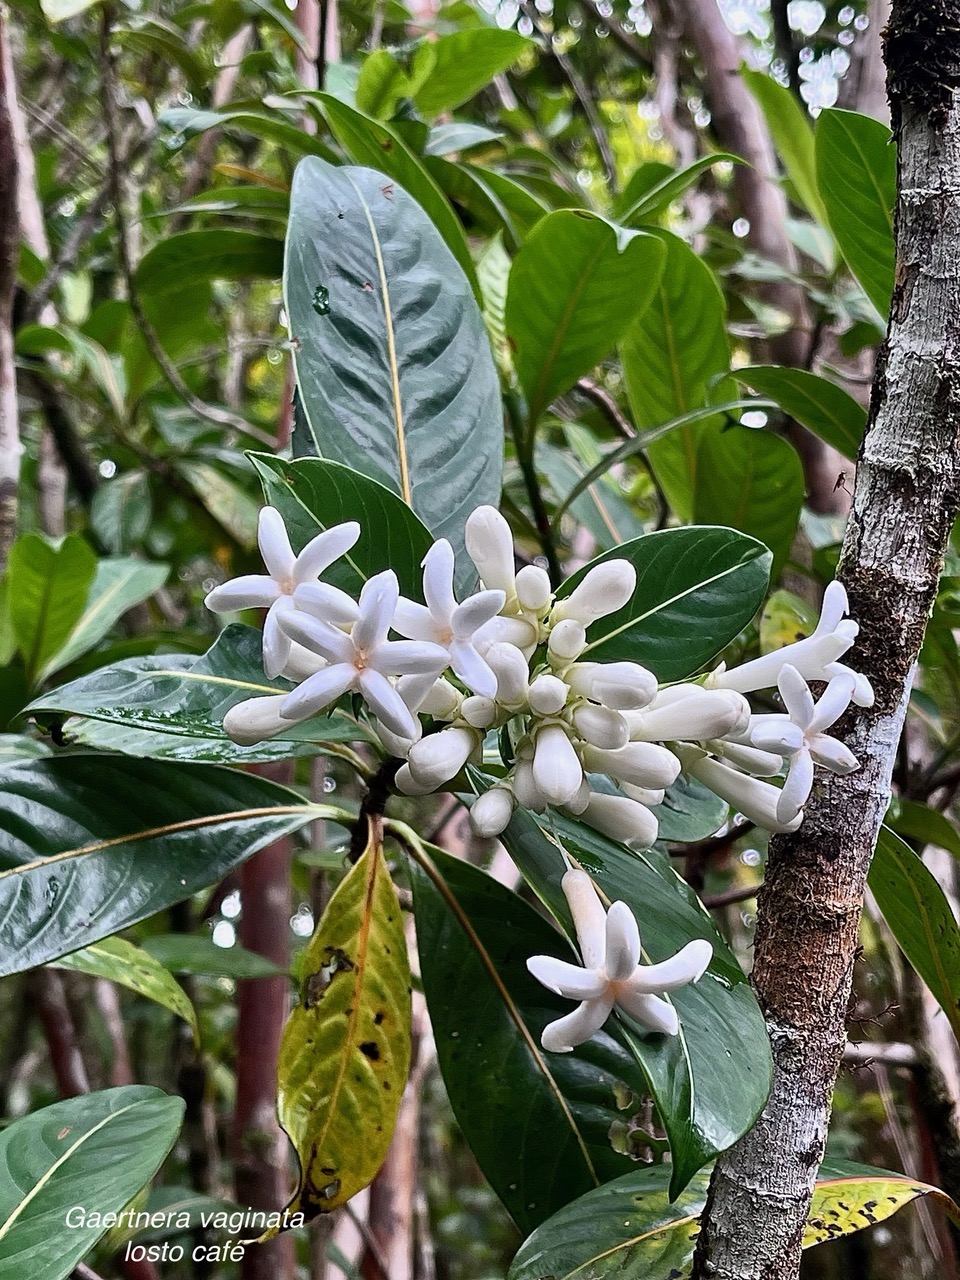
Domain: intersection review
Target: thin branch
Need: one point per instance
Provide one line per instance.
(742, 893)
(10, 448)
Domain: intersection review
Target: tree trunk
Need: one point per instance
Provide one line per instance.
(9, 248)
(904, 505)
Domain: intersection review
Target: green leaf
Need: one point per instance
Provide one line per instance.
(118, 584)
(47, 591)
(602, 507)
(920, 918)
(95, 1152)
(690, 811)
(345, 1054)
(121, 511)
(709, 1082)
(697, 588)
(313, 494)
(171, 706)
(190, 953)
(15, 747)
(382, 149)
(823, 407)
(219, 254)
(457, 136)
(129, 966)
(189, 122)
(538, 1123)
(792, 133)
(451, 70)
(667, 185)
(575, 286)
(493, 201)
(857, 177)
(382, 84)
(919, 822)
(392, 359)
(92, 844)
(751, 480)
(672, 355)
(630, 1229)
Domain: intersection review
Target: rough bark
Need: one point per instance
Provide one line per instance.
(904, 504)
(9, 247)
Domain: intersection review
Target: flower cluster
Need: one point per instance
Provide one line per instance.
(509, 671)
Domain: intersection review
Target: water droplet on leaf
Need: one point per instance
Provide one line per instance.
(321, 300)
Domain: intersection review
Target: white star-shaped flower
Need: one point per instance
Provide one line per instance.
(454, 626)
(799, 735)
(362, 659)
(611, 973)
(286, 572)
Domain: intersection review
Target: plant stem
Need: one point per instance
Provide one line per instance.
(524, 438)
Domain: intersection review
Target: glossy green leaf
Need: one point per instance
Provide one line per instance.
(192, 953)
(915, 821)
(690, 811)
(171, 706)
(95, 1152)
(345, 1054)
(189, 122)
(381, 148)
(792, 134)
(314, 494)
(576, 284)
(121, 511)
(16, 747)
(451, 70)
(629, 1228)
(751, 480)
(710, 1081)
(91, 844)
(857, 177)
(47, 589)
(457, 136)
(119, 584)
(697, 588)
(920, 918)
(823, 407)
(129, 966)
(602, 507)
(653, 197)
(672, 355)
(538, 1123)
(382, 84)
(493, 201)
(222, 254)
(393, 363)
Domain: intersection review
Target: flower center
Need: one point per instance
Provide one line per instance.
(287, 585)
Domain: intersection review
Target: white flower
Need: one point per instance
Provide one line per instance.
(815, 657)
(603, 590)
(799, 735)
(557, 771)
(286, 573)
(689, 713)
(624, 686)
(452, 625)
(643, 764)
(568, 639)
(547, 695)
(362, 659)
(611, 973)
(755, 799)
(601, 726)
(491, 812)
(621, 818)
(510, 667)
(439, 757)
(255, 720)
(489, 544)
(534, 592)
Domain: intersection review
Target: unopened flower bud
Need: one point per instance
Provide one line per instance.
(440, 757)
(408, 785)
(490, 547)
(694, 715)
(601, 727)
(580, 801)
(644, 764)
(603, 589)
(568, 639)
(491, 812)
(441, 699)
(625, 686)
(525, 789)
(479, 712)
(621, 819)
(255, 720)
(650, 796)
(557, 771)
(510, 667)
(547, 695)
(762, 764)
(301, 663)
(533, 588)
(513, 631)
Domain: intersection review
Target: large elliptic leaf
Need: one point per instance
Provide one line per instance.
(94, 1152)
(654, 186)
(393, 363)
(454, 68)
(920, 918)
(346, 1047)
(188, 122)
(91, 844)
(823, 407)
(538, 1123)
(575, 286)
(792, 133)
(313, 494)
(672, 355)
(171, 706)
(857, 176)
(47, 589)
(199, 954)
(208, 255)
(915, 821)
(710, 1081)
(629, 1229)
(751, 480)
(697, 588)
(690, 811)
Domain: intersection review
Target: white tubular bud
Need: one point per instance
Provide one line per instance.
(395, 744)
(440, 757)
(478, 712)
(625, 686)
(762, 764)
(756, 800)
(557, 771)
(533, 588)
(621, 819)
(603, 589)
(601, 727)
(525, 789)
(580, 801)
(547, 695)
(301, 663)
(510, 667)
(490, 547)
(644, 764)
(406, 783)
(255, 720)
(568, 639)
(519, 632)
(441, 700)
(650, 796)
(693, 717)
(491, 812)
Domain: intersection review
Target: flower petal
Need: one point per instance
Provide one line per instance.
(568, 980)
(318, 691)
(651, 1012)
(252, 591)
(274, 543)
(408, 658)
(689, 964)
(276, 643)
(438, 581)
(589, 917)
(833, 754)
(318, 636)
(833, 701)
(386, 703)
(835, 607)
(415, 621)
(776, 733)
(327, 603)
(472, 669)
(321, 551)
(796, 696)
(490, 547)
(623, 942)
(378, 603)
(586, 1020)
(797, 787)
(475, 613)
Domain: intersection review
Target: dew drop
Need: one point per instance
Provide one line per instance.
(321, 300)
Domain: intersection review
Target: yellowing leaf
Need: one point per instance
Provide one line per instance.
(861, 1197)
(346, 1047)
(786, 618)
